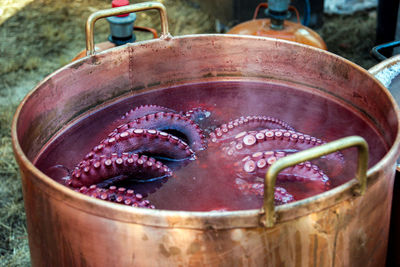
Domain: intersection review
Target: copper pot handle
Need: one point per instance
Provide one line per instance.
(119, 11)
(146, 29)
(378, 55)
(385, 72)
(268, 210)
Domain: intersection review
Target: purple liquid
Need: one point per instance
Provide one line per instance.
(207, 183)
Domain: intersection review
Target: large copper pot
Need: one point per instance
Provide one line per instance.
(388, 73)
(346, 226)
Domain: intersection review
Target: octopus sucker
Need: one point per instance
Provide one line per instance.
(143, 141)
(142, 111)
(281, 195)
(198, 115)
(172, 123)
(151, 141)
(117, 195)
(126, 152)
(257, 165)
(228, 131)
(133, 114)
(284, 141)
(94, 171)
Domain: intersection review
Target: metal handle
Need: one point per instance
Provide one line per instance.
(260, 5)
(309, 154)
(146, 29)
(119, 11)
(386, 72)
(378, 55)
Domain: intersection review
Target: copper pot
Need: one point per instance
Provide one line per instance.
(346, 226)
(388, 73)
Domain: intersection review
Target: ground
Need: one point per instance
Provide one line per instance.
(38, 37)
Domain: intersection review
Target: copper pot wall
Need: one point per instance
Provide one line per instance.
(338, 227)
(388, 73)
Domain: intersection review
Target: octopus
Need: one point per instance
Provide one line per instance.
(252, 144)
(148, 143)
(137, 149)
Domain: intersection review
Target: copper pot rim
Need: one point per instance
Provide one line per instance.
(384, 74)
(384, 64)
(197, 219)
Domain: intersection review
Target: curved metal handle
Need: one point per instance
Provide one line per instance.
(378, 55)
(146, 29)
(309, 154)
(260, 5)
(119, 11)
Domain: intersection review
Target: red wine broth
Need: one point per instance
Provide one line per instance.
(207, 183)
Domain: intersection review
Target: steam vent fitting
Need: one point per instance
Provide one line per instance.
(121, 26)
(278, 12)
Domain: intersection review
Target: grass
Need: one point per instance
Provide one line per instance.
(14, 249)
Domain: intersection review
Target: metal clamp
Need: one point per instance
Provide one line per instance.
(119, 11)
(286, 15)
(270, 178)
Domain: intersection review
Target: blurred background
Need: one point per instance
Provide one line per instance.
(39, 36)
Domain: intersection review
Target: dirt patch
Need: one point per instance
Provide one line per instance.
(44, 35)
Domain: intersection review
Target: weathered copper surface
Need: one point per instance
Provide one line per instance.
(336, 228)
(388, 73)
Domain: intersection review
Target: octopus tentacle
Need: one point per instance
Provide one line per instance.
(134, 166)
(133, 114)
(281, 195)
(197, 115)
(142, 111)
(281, 140)
(258, 163)
(142, 141)
(172, 123)
(117, 195)
(143, 188)
(228, 131)
(128, 156)
(275, 139)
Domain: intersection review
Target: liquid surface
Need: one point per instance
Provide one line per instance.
(206, 183)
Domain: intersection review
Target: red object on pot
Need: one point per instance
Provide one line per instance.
(119, 3)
